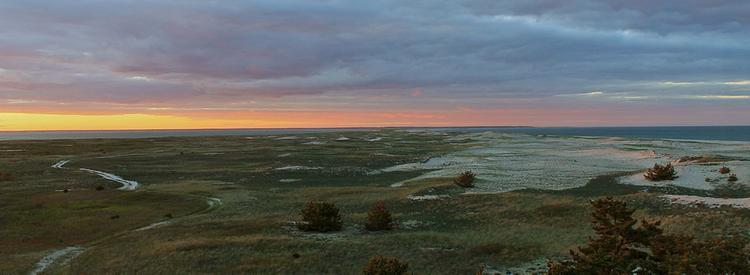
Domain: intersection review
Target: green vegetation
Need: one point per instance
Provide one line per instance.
(252, 229)
(732, 178)
(380, 265)
(379, 218)
(465, 179)
(6, 176)
(661, 172)
(320, 217)
(621, 247)
(724, 170)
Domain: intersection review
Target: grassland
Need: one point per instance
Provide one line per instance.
(263, 182)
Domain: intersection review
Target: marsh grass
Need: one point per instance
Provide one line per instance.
(247, 233)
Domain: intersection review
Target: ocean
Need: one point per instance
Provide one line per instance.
(723, 133)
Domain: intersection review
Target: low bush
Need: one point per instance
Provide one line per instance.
(6, 176)
(732, 178)
(99, 187)
(724, 170)
(320, 217)
(379, 218)
(661, 172)
(380, 265)
(623, 245)
(465, 179)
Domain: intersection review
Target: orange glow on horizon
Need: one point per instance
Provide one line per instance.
(224, 119)
(232, 119)
(205, 120)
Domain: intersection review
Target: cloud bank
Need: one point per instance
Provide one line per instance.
(431, 57)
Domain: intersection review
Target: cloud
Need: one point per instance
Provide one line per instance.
(318, 55)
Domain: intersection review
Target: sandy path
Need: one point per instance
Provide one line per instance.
(213, 203)
(129, 185)
(68, 252)
(60, 164)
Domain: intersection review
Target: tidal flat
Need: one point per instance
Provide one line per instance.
(188, 205)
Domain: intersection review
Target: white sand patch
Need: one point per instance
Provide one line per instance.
(384, 154)
(68, 252)
(288, 138)
(433, 163)
(506, 162)
(153, 225)
(12, 150)
(60, 164)
(213, 203)
(289, 180)
(617, 153)
(707, 201)
(427, 197)
(343, 139)
(413, 224)
(694, 176)
(314, 143)
(285, 155)
(129, 185)
(297, 168)
(374, 139)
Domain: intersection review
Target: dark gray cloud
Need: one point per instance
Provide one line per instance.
(170, 52)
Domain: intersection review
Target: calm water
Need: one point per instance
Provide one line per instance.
(729, 133)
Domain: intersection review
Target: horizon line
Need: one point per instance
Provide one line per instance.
(360, 127)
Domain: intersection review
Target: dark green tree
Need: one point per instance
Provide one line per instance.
(320, 217)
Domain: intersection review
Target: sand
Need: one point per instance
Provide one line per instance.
(505, 162)
(707, 201)
(54, 256)
(60, 164)
(129, 185)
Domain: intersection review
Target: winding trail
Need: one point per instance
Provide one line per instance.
(128, 185)
(60, 164)
(68, 253)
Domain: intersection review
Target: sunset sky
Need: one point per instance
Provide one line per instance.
(244, 64)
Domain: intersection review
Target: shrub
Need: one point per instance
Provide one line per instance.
(465, 179)
(6, 176)
(99, 187)
(660, 173)
(732, 178)
(380, 265)
(620, 247)
(320, 217)
(724, 170)
(379, 218)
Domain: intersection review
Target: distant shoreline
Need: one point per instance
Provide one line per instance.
(697, 133)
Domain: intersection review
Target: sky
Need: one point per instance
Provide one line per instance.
(163, 64)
